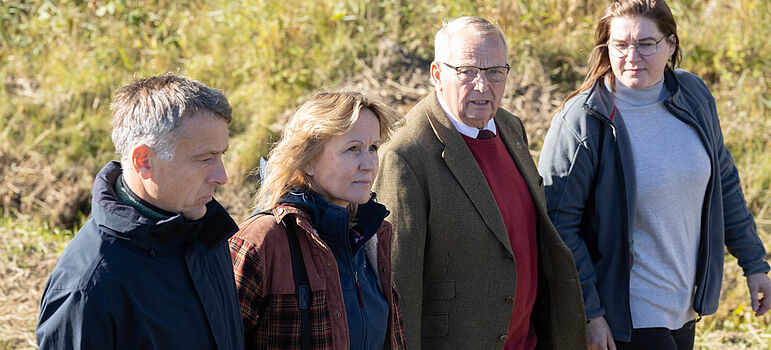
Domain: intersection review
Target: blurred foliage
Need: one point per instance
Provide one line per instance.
(60, 61)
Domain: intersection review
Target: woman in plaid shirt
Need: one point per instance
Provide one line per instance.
(318, 183)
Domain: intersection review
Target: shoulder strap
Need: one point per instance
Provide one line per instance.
(301, 283)
(587, 234)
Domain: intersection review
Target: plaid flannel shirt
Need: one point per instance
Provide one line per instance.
(263, 272)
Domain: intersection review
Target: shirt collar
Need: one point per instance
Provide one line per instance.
(464, 129)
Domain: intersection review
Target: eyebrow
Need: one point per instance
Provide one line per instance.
(643, 39)
(214, 152)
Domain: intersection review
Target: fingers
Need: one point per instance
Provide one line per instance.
(763, 307)
(754, 298)
(611, 342)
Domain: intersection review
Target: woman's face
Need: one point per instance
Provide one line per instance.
(638, 34)
(346, 168)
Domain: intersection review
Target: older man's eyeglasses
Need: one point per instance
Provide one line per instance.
(467, 74)
(644, 47)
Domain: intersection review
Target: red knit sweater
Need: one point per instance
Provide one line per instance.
(516, 206)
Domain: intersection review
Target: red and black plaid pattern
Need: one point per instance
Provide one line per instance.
(397, 325)
(273, 321)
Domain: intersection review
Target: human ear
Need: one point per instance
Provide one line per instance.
(140, 161)
(436, 75)
(672, 43)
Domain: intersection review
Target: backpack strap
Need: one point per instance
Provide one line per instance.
(301, 283)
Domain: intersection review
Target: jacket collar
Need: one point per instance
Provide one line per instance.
(462, 164)
(329, 218)
(600, 104)
(125, 223)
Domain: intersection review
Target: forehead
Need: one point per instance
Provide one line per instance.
(202, 132)
(471, 49)
(633, 28)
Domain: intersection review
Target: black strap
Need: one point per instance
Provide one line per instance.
(301, 285)
(587, 233)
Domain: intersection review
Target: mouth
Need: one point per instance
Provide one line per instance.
(480, 103)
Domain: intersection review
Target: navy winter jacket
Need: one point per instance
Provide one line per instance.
(589, 178)
(366, 307)
(126, 282)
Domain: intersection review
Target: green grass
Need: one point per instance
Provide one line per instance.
(61, 60)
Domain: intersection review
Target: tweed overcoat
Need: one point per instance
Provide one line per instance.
(452, 260)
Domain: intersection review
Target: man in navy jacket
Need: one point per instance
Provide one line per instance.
(151, 268)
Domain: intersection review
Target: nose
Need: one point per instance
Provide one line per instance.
(218, 175)
(368, 161)
(632, 55)
(481, 83)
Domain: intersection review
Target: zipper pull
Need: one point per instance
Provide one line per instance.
(358, 289)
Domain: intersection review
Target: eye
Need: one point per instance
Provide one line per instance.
(373, 148)
(353, 149)
(467, 71)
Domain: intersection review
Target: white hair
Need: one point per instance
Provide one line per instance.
(477, 25)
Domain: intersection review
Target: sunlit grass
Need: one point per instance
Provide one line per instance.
(60, 61)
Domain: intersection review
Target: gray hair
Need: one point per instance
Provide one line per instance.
(477, 25)
(150, 111)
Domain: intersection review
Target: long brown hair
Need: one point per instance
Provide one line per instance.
(599, 62)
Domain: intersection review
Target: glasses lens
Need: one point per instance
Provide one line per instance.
(497, 74)
(467, 74)
(646, 48)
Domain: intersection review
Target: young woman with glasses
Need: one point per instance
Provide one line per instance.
(643, 190)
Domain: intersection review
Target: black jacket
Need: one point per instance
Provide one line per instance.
(126, 282)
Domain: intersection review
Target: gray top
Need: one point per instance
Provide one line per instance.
(672, 168)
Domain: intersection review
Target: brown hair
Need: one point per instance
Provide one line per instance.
(599, 62)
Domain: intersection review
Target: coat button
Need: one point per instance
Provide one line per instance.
(329, 263)
(339, 315)
(510, 299)
(502, 337)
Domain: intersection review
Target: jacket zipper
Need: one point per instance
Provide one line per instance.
(358, 288)
(708, 202)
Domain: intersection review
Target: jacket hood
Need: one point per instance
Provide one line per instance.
(123, 222)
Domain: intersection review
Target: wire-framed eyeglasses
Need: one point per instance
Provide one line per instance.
(645, 47)
(467, 74)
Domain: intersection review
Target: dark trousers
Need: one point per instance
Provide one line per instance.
(661, 338)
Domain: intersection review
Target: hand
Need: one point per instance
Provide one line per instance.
(759, 283)
(599, 336)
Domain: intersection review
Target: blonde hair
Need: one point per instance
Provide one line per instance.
(323, 116)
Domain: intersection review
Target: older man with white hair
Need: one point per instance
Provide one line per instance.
(476, 259)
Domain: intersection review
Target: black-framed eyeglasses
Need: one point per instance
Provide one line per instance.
(467, 74)
(644, 47)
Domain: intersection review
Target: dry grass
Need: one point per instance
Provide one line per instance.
(26, 260)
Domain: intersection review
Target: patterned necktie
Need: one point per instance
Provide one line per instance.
(485, 134)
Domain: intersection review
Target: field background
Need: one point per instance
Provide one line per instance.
(61, 60)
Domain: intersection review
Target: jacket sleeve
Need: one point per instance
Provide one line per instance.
(567, 166)
(248, 272)
(741, 235)
(74, 319)
(398, 188)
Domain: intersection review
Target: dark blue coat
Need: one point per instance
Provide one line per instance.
(126, 282)
(577, 167)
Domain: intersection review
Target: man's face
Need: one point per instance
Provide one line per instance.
(186, 182)
(474, 102)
